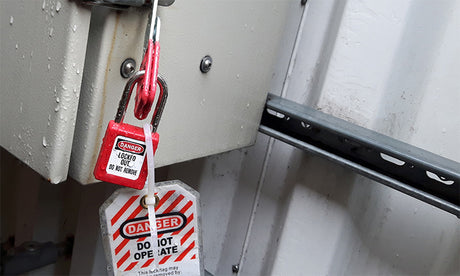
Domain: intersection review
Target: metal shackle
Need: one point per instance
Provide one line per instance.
(159, 107)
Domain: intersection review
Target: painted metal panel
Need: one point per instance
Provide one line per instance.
(206, 113)
(42, 50)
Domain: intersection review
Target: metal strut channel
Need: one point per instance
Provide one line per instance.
(408, 169)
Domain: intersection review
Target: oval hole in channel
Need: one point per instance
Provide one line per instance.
(305, 125)
(274, 113)
(392, 159)
(441, 179)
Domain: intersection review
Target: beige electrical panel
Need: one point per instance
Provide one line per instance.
(206, 113)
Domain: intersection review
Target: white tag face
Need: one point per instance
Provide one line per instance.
(126, 158)
(126, 232)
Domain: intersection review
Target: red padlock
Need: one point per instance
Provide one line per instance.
(122, 156)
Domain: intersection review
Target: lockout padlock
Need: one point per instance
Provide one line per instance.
(122, 156)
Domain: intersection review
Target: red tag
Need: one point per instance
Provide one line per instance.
(126, 232)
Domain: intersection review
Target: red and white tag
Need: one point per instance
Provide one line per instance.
(126, 158)
(125, 231)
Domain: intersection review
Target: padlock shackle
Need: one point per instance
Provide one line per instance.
(161, 102)
(127, 95)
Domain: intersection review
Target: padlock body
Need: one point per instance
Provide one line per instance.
(122, 158)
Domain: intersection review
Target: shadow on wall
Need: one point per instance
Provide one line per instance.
(348, 224)
(314, 193)
(417, 53)
(32, 209)
(391, 232)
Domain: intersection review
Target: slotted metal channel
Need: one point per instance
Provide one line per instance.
(406, 168)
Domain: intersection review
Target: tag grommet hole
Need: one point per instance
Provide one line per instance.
(144, 204)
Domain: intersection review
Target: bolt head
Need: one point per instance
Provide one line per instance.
(128, 67)
(205, 65)
(235, 268)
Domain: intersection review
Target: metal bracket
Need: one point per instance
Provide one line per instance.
(406, 168)
(124, 4)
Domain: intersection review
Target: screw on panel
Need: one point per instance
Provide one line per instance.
(205, 64)
(303, 2)
(127, 68)
(235, 268)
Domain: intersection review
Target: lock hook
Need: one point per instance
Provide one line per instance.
(127, 95)
(161, 102)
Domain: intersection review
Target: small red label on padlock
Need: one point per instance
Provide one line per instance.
(126, 158)
(122, 157)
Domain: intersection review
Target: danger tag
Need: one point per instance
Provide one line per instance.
(126, 158)
(126, 232)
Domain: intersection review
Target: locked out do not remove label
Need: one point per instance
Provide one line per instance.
(126, 232)
(126, 158)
